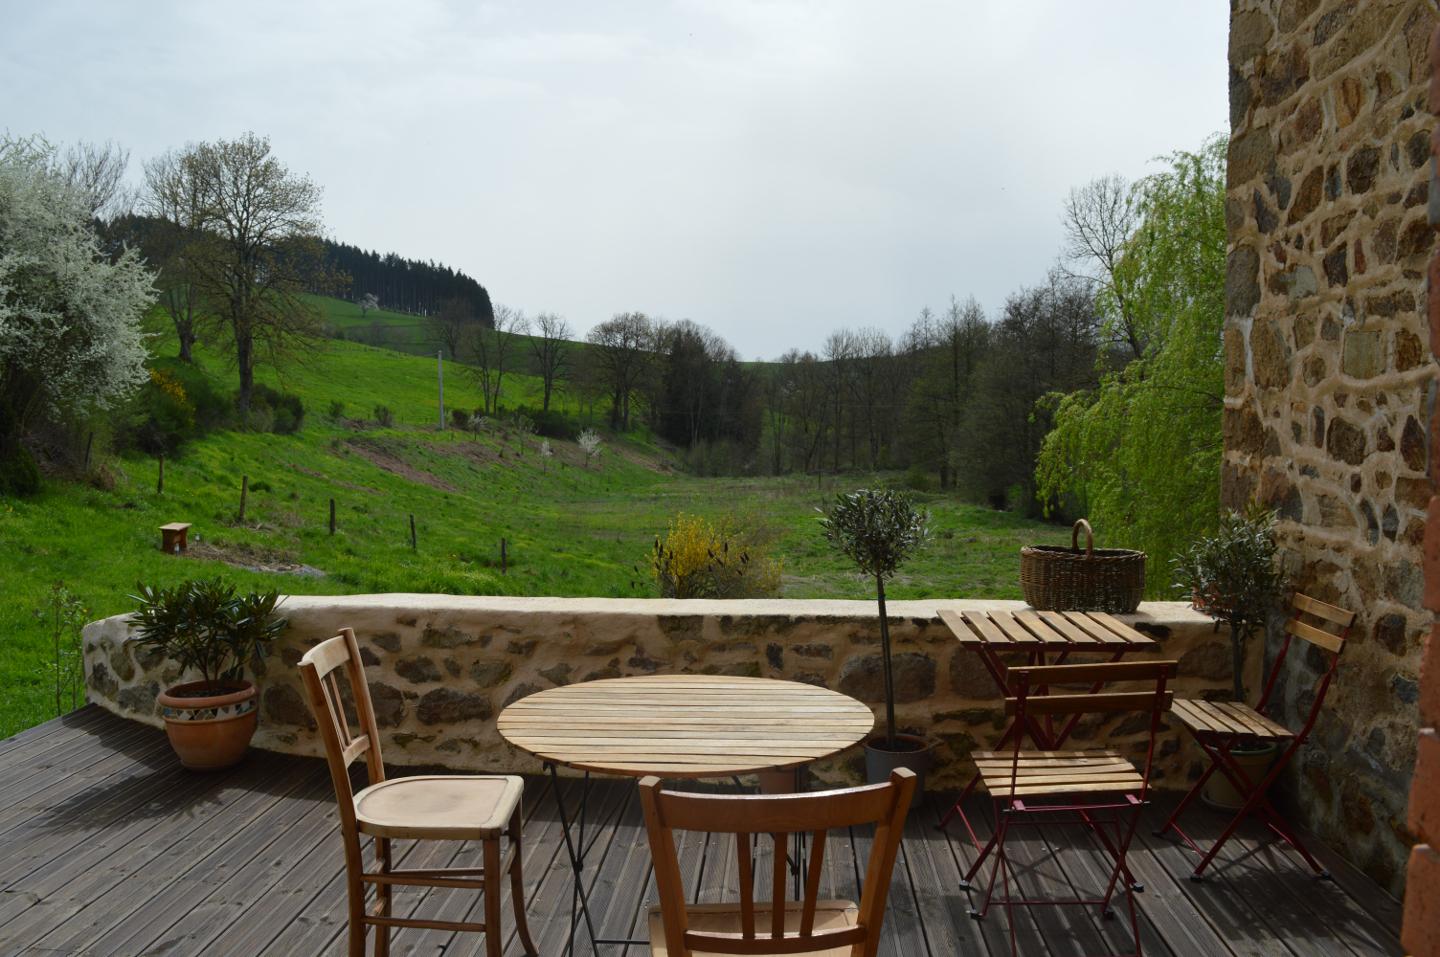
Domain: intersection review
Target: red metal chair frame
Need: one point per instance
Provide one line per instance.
(1123, 810)
(1218, 746)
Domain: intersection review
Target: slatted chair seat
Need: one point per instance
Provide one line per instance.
(1043, 773)
(436, 807)
(1227, 718)
(727, 919)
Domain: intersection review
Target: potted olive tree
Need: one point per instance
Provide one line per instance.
(206, 627)
(1234, 576)
(878, 529)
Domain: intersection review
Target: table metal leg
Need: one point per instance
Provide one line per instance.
(575, 851)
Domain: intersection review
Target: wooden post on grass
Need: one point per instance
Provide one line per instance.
(244, 491)
(503, 559)
(412, 533)
(332, 516)
(160, 476)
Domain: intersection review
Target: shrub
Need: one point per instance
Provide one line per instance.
(919, 479)
(160, 418)
(460, 419)
(701, 559)
(287, 410)
(384, 416)
(337, 410)
(550, 423)
(19, 475)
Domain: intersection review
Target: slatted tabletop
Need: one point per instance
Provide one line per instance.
(1045, 631)
(685, 726)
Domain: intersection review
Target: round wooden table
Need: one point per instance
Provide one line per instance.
(678, 726)
(685, 726)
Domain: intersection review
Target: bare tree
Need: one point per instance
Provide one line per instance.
(622, 349)
(98, 171)
(492, 351)
(257, 245)
(452, 325)
(550, 345)
(175, 196)
(839, 355)
(1099, 218)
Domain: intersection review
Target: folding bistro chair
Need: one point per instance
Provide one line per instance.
(1219, 726)
(809, 926)
(1097, 789)
(423, 807)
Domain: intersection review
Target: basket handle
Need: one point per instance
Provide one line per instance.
(1089, 538)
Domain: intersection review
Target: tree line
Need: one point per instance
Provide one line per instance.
(400, 284)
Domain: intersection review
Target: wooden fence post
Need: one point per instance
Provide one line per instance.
(412, 532)
(503, 559)
(244, 491)
(332, 516)
(160, 477)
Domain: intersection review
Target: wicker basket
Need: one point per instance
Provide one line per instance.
(1056, 578)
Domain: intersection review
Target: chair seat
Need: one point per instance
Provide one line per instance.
(1225, 718)
(725, 919)
(1044, 773)
(445, 807)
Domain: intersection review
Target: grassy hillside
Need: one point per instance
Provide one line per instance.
(570, 530)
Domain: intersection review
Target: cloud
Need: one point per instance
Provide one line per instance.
(773, 170)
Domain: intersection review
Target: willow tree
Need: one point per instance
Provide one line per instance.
(1140, 453)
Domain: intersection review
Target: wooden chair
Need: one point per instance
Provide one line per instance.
(1093, 788)
(424, 807)
(1220, 726)
(807, 926)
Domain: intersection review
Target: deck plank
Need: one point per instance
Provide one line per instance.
(107, 846)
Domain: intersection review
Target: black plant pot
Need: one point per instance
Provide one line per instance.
(916, 754)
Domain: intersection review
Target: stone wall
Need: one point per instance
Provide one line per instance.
(1329, 374)
(1421, 932)
(441, 667)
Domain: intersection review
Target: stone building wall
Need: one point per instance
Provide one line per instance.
(1421, 931)
(1329, 372)
(441, 667)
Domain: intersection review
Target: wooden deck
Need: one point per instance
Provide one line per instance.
(108, 847)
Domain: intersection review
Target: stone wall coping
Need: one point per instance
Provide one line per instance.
(1153, 612)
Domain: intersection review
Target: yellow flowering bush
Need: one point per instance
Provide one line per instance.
(699, 558)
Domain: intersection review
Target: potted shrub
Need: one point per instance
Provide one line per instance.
(205, 627)
(1234, 577)
(878, 529)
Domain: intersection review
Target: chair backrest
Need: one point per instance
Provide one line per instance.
(320, 670)
(1034, 698)
(779, 815)
(1323, 625)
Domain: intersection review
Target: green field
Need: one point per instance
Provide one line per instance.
(570, 530)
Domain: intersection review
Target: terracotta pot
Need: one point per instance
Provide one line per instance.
(1221, 795)
(879, 761)
(209, 731)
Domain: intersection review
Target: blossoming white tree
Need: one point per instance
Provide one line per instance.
(591, 444)
(70, 336)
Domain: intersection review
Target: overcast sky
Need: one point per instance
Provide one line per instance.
(772, 170)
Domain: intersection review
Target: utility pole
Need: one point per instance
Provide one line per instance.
(440, 377)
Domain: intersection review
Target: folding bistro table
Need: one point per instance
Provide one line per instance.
(676, 726)
(1038, 638)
